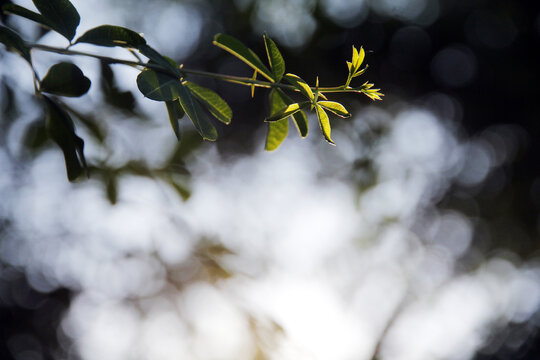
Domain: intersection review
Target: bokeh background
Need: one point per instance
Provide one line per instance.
(416, 237)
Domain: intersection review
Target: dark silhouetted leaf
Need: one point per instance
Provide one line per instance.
(277, 64)
(61, 130)
(65, 79)
(35, 135)
(286, 111)
(156, 57)
(111, 187)
(13, 42)
(61, 15)
(162, 87)
(324, 123)
(123, 100)
(195, 113)
(300, 118)
(175, 114)
(26, 13)
(277, 130)
(301, 85)
(335, 107)
(238, 49)
(213, 102)
(109, 35)
(158, 86)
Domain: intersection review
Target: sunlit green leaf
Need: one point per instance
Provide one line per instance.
(61, 130)
(277, 64)
(213, 102)
(61, 15)
(158, 86)
(13, 42)
(300, 118)
(109, 35)
(159, 59)
(286, 111)
(335, 107)
(238, 49)
(65, 79)
(324, 123)
(354, 56)
(301, 85)
(360, 59)
(195, 113)
(26, 13)
(175, 114)
(277, 130)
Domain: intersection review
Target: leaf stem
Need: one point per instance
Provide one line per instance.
(229, 78)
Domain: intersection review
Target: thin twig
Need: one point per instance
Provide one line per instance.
(229, 78)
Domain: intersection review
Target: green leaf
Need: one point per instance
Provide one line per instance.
(360, 59)
(335, 107)
(65, 79)
(286, 111)
(213, 102)
(159, 59)
(61, 130)
(195, 113)
(324, 123)
(277, 130)
(114, 96)
(354, 56)
(158, 86)
(61, 15)
(111, 186)
(109, 35)
(13, 42)
(300, 118)
(277, 64)
(238, 49)
(175, 114)
(26, 13)
(35, 136)
(301, 85)
(162, 87)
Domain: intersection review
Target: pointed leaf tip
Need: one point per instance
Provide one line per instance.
(13, 42)
(238, 49)
(196, 115)
(286, 111)
(301, 85)
(277, 64)
(335, 107)
(176, 113)
(26, 13)
(61, 15)
(213, 102)
(324, 123)
(61, 130)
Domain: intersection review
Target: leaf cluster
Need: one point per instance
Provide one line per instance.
(162, 79)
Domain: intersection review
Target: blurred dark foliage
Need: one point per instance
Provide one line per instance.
(482, 53)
